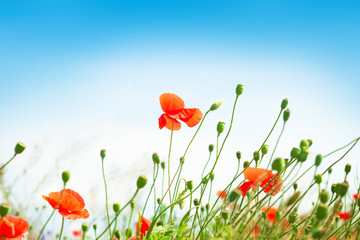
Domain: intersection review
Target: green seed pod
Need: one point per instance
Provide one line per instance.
(238, 155)
(65, 176)
(190, 185)
(278, 216)
(324, 196)
(117, 234)
(293, 217)
(286, 161)
(239, 89)
(160, 223)
(132, 204)
(155, 158)
(196, 202)
(141, 181)
(318, 160)
(347, 168)
(211, 147)
(202, 209)
(278, 164)
(330, 170)
(216, 105)
(225, 214)
(84, 227)
(205, 180)
(4, 209)
(286, 115)
(322, 211)
(295, 186)
(233, 195)
(284, 103)
(342, 188)
(212, 176)
(256, 156)
(291, 200)
(333, 188)
(102, 153)
(95, 226)
(337, 207)
(162, 164)
(294, 153)
(246, 164)
(318, 178)
(128, 232)
(116, 207)
(207, 207)
(220, 127)
(303, 154)
(304, 143)
(264, 149)
(19, 148)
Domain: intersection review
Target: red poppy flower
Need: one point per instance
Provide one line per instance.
(344, 215)
(356, 196)
(221, 194)
(263, 178)
(77, 233)
(71, 205)
(13, 228)
(145, 225)
(271, 214)
(174, 108)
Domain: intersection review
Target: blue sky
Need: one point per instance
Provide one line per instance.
(77, 76)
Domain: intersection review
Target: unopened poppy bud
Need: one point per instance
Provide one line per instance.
(4, 209)
(294, 152)
(182, 160)
(347, 168)
(196, 202)
(117, 234)
(293, 217)
(212, 175)
(202, 209)
(94, 227)
(225, 214)
(162, 164)
(303, 154)
(304, 143)
(286, 161)
(216, 105)
(220, 127)
(278, 216)
(284, 103)
(264, 149)
(128, 232)
(233, 196)
(286, 115)
(293, 198)
(333, 188)
(211, 147)
(65, 176)
(295, 186)
(338, 205)
(256, 156)
(324, 196)
(238, 155)
(322, 211)
(158, 200)
(207, 207)
(246, 164)
(310, 141)
(155, 158)
(342, 188)
(318, 178)
(141, 182)
(239, 89)
(19, 148)
(278, 164)
(84, 227)
(102, 153)
(205, 180)
(132, 204)
(318, 160)
(330, 170)
(190, 185)
(116, 207)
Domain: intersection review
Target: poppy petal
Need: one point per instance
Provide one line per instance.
(169, 123)
(145, 225)
(190, 116)
(73, 215)
(273, 184)
(171, 103)
(245, 187)
(7, 228)
(256, 174)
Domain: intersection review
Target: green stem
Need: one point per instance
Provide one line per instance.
(106, 195)
(62, 227)
(171, 137)
(277, 142)
(3, 166)
(152, 186)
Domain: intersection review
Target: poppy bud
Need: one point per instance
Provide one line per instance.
(132, 204)
(322, 211)
(324, 196)
(212, 175)
(318, 234)
(337, 206)
(190, 185)
(310, 142)
(220, 127)
(116, 207)
(182, 160)
(246, 164)
(19, 148)
(216, 105)
(160, 223)
(303, 154)
(94, 227)
(294, 152)
(278, 216)
(342, 188)
(293, 198)
(4, 209)
(239, 89)
(162, 164)
(293, 217)
(141, 182)
(330, 170)
(295, 186)
(128, 232)
(304, 143)
(347, 168)
(256, 156)
(102, 153)
(333, 188)
(318, 160)
(264, 149)
(65, 176)
(211, 147)
(278, 164)
(286, 115)
(84, 227)
(238, 155)
(318, 178)
(286, 161)
(117, 234)
(155, 158)
(284, 103)
(202, 209)
(205, 180)
(196, 202)
(225, 214)
(233, 196)
(207, 207)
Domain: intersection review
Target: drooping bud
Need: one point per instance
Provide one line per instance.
(155, 158)
(117, 234)
(4, 209)
(246, 164)
(162, 164)
(84, 227)
(225, 214)
(347, 168)
(293, 198)
(286, 115)
(216, 105)
(293, 217)
(238, 155)
(264, 149)
(65, 176)
(284, 103)
(304, 143)
(318, 178)
(303, 154)
(220, 127)
(196, 202)
(102, 153)
(190, 185)
(295, 186)
(239, 89)
(322, 211)
(324, 196)
(141, 181)
(116, 207)
(256, 156)
(211, 147)
(294, 153)
(342, 188)
(318, 160)
(19, 148)
(278, 164)
(128, 232)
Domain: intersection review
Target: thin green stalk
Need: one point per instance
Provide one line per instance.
(3, 166)
(277, 142)
(106, 195)
(171, 137)
(62, 227)
(151, 188)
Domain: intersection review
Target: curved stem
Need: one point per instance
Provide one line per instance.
(106, 195)
(62, 228)
(152, 186)
(3, 166)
